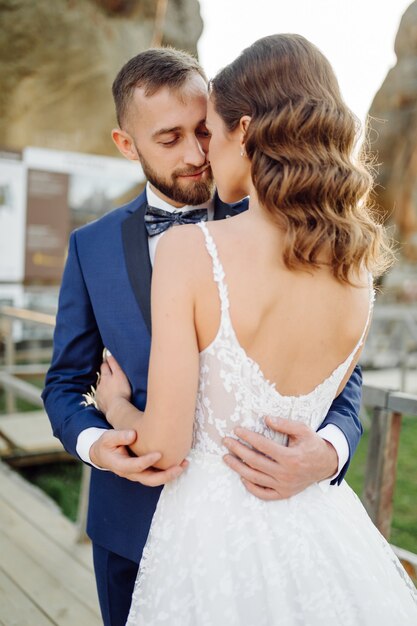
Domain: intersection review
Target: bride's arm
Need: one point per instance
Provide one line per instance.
(167, 422)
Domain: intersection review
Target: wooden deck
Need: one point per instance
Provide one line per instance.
(26, 439)
(45, 576)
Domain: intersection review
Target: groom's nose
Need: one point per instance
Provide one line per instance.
(193, 152)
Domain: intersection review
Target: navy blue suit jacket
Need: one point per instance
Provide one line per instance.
(105, 301)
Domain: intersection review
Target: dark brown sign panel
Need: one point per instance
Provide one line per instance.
(47, 226)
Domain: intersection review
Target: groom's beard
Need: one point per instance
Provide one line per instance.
(190, 193)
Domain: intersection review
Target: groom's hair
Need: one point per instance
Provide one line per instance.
(151, 70)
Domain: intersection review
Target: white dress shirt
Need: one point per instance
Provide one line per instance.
(158, 203)
(330, 433)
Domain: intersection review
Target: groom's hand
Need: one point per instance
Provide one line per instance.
(110, 452)
(288, 470)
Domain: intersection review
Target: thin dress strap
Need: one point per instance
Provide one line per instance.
(371, 307)
(218, 271)
(349, 359)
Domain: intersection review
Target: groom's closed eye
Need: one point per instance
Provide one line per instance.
(170, 142)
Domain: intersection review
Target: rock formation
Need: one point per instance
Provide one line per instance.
(394, 110)
(58, 60)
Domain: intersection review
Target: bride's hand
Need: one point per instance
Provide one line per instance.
(113, 385)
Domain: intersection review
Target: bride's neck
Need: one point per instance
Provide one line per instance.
(260, 213)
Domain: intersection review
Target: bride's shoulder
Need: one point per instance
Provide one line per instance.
(181, 238)
(182, 246)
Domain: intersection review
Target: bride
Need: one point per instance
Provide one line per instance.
(280, 342)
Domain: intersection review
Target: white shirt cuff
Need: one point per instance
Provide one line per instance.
(335, 436)
(85, 440)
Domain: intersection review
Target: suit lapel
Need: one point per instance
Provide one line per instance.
(223, 210)
(138, 263)
(136, 250)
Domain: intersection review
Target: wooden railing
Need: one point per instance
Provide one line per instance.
(14, 387)
(10, 377)
(387, 409)
(393, 334)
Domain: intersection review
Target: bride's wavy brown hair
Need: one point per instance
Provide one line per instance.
(301, 142)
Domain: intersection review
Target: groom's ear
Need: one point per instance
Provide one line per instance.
(124, 144)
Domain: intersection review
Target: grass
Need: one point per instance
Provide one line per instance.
(61, 481)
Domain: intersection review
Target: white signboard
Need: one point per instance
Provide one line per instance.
(35, 225)
(12, 217)
(97, 184)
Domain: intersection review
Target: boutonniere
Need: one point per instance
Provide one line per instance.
(90, 396)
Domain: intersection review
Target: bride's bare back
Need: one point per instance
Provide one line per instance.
(297, 325)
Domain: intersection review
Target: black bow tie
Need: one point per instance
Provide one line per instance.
(158, 221)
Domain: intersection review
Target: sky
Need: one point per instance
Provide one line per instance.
(357, 36)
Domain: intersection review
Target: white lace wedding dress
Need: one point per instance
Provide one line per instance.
(218, 556)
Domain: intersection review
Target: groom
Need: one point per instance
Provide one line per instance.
(160, 97)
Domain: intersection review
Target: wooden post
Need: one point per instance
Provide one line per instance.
(381, 466)
(10, 361)
(83, 504)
